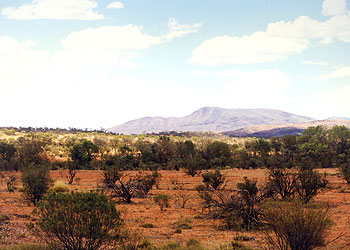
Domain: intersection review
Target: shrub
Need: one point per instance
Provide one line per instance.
(309, 184)
(345, 170)
(147, 225)
(77, 220)
(146, 182)
(10, 183)
(3, 218)
(183, 224)
(59, 186)
(121, 186)
(281, 184)
(36, 182)
(182, 198)
(295, 227)
(193, 243)
(162, 200)
(213, 179)
(241, 208)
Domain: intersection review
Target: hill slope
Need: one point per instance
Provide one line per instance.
(209, 119)
(266, 131)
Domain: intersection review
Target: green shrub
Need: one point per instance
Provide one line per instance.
(282, 184)
(146, 182)
(192, 242)
(59, 186)
(147, 225)
(78, 220)
(309, 184)
(36, 182)
(10, 183)
(183, 224)
(345, 170)
(239, 209)
(213, 179)
(295, 227)
(4, 217)
(162, 200)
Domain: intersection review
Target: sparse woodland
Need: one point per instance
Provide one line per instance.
(251, 193)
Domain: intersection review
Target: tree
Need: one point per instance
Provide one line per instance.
(219, 154)
(83, 153)
(263, 147)
(345, 170)
(31, 150)
(78, 220)
(193, 165)
(36, 182)
(8, 159)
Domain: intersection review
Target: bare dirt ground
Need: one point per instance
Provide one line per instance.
(143, 211)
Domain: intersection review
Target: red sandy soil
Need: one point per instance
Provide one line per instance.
(142, 211)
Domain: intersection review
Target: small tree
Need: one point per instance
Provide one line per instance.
(72, 171)
(240, 208)
(11, 183)
(213, 179)
(345, 170)
(162, 200)
(146, 182)
(122, 186)
(182, 198)
(309, 184)
(295, 227)
(281, 184)
(78, 221)
(36, 182)
(83, 153)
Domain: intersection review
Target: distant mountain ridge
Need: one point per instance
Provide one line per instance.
(209, 119)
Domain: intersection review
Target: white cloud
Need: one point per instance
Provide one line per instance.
(339, 73)
(19, 61)
(115, 5)
(306, 28)
(334, 7)
(280, 40)
(332, 103)
(129, 37)
(200, 73)
(266, 79)
(259, 47)
(315, 63)
(180, 30)
(262, 88)
(54, 9)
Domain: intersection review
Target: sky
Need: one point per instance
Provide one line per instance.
(98, 63)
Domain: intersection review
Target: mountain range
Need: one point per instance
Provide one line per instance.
(210, 119)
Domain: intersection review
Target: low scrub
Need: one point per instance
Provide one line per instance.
(59, 186)
(163, 201)
(291, 226)
(77, 220)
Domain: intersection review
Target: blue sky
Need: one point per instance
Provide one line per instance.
(93, 64)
